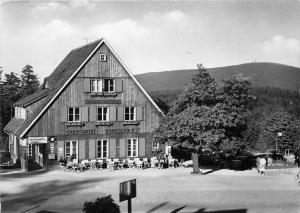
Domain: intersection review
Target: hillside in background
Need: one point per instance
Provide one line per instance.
(260, 74)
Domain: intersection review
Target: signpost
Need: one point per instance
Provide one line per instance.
(279, 135)
(128, 191)
(52, 148)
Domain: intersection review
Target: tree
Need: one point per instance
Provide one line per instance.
(161, 104)
(279, 121)
(206, 116)
(29, 80)
(10, 93)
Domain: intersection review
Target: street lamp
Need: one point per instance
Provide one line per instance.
(279, 134)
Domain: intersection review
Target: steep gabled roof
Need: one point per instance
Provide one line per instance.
(62, 72)
(62, 76)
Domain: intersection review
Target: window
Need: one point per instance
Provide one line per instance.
(102, 148)
(103, 57)
(109, 85)
(73, 114)
(30, 151)
(71, 149)
(20, 112)
(129, 114)
(96, 85)
(102, 114)
(132, 147)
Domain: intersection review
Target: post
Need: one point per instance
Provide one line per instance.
(276, 143)
(129, 205)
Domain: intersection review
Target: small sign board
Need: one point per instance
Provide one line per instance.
(51, 156)
(127, 190)
(37, 140)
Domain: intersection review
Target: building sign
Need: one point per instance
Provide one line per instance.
(127, 190)
(80, 131)
(34, 140)
(103, 101)
(51, 156)
(121, 131)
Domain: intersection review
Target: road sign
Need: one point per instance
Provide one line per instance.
(127, 190)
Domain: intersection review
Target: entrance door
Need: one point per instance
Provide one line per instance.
(71, 149)
(40, 156)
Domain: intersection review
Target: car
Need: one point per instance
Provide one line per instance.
(5, 159)
(188, 163)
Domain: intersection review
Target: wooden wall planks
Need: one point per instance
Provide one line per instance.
(74, 95)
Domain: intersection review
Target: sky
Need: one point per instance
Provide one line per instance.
(150, 36)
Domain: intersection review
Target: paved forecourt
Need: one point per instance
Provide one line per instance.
(157, 191)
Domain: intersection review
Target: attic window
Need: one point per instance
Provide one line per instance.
(103, 57)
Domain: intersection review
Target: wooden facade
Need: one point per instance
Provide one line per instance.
(87, 131)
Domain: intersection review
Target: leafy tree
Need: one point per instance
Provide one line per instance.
(161, 104)
(29, 80)
(206, 116)
(279, 121)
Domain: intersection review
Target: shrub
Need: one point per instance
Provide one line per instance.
(101, 205)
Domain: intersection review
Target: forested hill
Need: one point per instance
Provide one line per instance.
(262, 74)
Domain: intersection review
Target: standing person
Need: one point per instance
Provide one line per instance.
(262, 166)
(257, 164)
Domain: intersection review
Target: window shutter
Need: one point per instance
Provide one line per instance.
(139, 113)
(120, 113)
(64, 114)
(84, 114)
(93, 113)
(81, 149)
(112, 148)
(142, 147)
(87, 85)
(92, 149)
(112, 113)
(119, 85)
(122, 148)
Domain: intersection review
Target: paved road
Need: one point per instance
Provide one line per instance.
(171, 190)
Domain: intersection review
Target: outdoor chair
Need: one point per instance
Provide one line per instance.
(117, 163)
(154, 162)
(130, 163)
(145, 162)
(171, 162)
(63, 167)
(110, 164)
(93, 164)
(75, 167)
(139, 164)
(84, 165)
(69, 166)
(99, 163)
